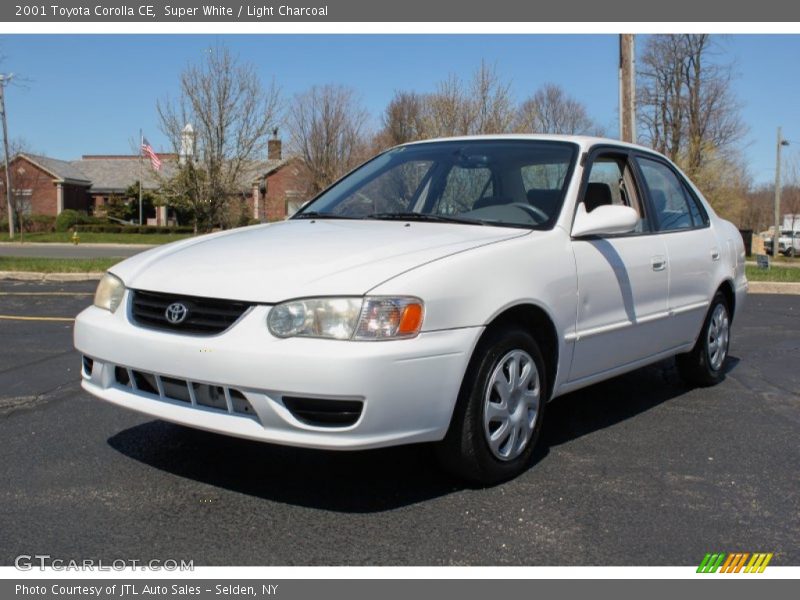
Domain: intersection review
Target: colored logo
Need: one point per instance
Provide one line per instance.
(735, 562)
(176, 313)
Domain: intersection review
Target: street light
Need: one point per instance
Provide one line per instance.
(776, 237)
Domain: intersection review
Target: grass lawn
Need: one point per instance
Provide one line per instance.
(56, 265)
(99, 238)
(773, 274)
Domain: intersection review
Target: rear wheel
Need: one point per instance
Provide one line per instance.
(704, 364)
(499, 412)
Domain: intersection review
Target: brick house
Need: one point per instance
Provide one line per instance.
(277, 186)
(111, 175)
(45, 186)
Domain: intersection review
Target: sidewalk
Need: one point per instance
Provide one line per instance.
(60, 250)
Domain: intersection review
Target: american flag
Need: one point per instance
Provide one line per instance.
(147, 149)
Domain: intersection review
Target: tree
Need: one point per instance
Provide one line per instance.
(24, 179)
(490, 106)
(687, 110)
(327, 126)
(551, 110)
(119, 208)
(790, 194)
(404, 119)
(686, 102)
(128, 206)
(232, 115)
(483, 105)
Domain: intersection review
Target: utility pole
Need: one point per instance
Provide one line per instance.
(776, 237)
(4, 79)
(141, 177)
(627, 88)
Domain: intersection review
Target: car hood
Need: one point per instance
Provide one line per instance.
(291, 259)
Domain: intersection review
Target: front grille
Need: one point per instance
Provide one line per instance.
(323, 412)
(203, 316)
(215, 397)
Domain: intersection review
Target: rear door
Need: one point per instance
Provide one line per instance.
(692, 249)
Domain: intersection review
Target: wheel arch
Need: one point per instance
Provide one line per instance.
(726, 287)
(537, 321)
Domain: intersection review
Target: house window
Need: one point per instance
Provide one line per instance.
(293, 205)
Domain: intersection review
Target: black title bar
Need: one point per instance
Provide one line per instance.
(459, 11)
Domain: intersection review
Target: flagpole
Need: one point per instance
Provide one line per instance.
(141, 176)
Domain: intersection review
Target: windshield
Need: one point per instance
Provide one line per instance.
(516, 183)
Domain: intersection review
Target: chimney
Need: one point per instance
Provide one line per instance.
(274, 146)
(187, 144)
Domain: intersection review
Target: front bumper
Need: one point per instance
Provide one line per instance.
(408, 388)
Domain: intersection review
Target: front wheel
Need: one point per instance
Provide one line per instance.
(703, 365)
(500, 408)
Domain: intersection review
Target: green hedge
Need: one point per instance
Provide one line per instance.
(33, 224)
(69, 218)
(114, 228)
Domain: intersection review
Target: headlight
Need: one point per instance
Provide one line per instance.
(109, 292)
(371, 318)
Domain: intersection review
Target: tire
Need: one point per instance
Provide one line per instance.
(503, 394)
(704, 365)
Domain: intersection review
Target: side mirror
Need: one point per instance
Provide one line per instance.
(607, 219)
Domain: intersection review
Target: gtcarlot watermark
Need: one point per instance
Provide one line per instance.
(28, 562)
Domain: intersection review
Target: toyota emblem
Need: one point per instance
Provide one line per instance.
(176, 313)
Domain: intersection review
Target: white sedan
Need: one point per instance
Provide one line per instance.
(443, 292)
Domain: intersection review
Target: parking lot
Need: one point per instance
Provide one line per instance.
(639, 470)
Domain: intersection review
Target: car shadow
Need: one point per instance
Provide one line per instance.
(375, 480)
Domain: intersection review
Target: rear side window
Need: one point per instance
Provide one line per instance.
(699, 214)
(673, 208)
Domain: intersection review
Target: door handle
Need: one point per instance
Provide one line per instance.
(659, 263)
(715, 253)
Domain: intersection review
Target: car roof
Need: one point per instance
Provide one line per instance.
(584, 141)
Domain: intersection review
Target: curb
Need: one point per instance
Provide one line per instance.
(57, 277)
(71, 245)
(778, 265)
(773, 287)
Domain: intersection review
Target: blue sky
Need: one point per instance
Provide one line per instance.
(90, 94)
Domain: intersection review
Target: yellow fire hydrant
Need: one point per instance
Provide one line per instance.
(75, 239)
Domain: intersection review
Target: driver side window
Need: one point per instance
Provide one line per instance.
(611, 182)
(463, 187)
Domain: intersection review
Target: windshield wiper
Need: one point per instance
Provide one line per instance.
(415, 216)
(313, 214)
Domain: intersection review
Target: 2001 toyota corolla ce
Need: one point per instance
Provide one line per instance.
(442, 292)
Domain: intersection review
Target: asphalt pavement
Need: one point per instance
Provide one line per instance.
(639, 470)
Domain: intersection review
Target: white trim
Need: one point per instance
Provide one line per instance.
(256, 200)
(59, 198)
(581, 382)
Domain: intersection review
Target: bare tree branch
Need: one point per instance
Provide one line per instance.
(232, 115)
(327, 126)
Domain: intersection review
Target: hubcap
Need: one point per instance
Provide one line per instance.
(511, 405)
(718, 336)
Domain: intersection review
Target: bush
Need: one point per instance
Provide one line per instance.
(69, 218)
(38, 224)
(31, 224)
(115, 228)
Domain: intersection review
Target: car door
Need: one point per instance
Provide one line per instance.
(622, 279)
(692, 249)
